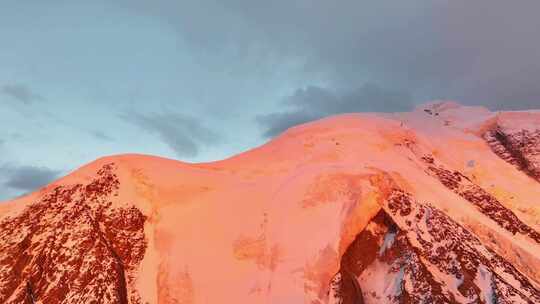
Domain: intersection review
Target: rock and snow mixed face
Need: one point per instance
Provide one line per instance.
(414, 253)
(440, 205)
(73, 246)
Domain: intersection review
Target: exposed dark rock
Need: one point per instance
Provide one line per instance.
(434, 259)
(519, 148)
(72, 246)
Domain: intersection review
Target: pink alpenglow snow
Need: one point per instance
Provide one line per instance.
(439, 205)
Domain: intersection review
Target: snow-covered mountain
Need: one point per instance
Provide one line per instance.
(439, 205)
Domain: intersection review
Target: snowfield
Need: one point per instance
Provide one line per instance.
(439, 205)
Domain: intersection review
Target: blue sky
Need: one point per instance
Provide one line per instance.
(203, 80)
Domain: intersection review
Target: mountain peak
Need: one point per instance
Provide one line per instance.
(359, 208)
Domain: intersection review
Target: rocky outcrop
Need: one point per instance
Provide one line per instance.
(413, 253)
(73, 246)
(520, 148)
(485, 202)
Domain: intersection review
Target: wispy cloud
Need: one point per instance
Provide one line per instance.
(184, 134)
(20, 92)
(101, 135)
(26, 178)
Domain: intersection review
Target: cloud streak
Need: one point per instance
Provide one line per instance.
(21, 93)
(184, 134)
(27, 178)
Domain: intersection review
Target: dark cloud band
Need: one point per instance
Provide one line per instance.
(20, 92)
(26, 178)
(314, 102)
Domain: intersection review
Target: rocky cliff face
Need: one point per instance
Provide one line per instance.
(520, 148)
(413, 253)
(72, 246)
(435, 206)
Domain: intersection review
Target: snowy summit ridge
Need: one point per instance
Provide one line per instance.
(439, 205)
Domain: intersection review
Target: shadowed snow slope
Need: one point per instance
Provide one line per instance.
(439, 205)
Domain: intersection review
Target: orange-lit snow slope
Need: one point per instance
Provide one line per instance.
(439, 205)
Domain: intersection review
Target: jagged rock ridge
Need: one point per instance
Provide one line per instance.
(520, 148)
(72, 247)
(426, 257)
